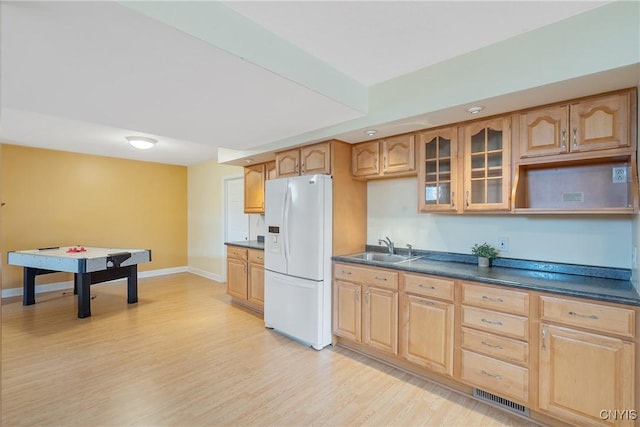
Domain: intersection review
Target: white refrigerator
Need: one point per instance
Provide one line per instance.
(297, 258)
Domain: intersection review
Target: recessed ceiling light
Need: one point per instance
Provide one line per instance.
(247, 161)
(141, 142)
(370, 132)
(475, 110)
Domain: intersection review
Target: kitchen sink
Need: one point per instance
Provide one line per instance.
(382, 257)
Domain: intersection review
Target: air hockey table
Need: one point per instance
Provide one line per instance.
(90, 265)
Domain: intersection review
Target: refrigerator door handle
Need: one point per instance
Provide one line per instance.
(285, 225)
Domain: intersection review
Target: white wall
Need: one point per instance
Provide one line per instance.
(206, 252)
(392, 211)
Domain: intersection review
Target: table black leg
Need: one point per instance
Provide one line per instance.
(75, 283)
(132, 284)
(29, 286)
(84, 294)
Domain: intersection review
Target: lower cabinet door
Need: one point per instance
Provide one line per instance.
(256, 285)
(381, 319)
(427, 333)
(586, 378)
(347, 321)
(237, 278)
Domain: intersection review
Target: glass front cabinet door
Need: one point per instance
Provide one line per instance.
(437, 170)
(487, 165)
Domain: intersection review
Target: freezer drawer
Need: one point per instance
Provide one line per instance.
(298, 308)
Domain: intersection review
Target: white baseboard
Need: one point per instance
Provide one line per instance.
(59, 286)
(206, 274)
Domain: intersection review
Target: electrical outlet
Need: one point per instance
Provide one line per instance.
(503, 244)
(619, 174)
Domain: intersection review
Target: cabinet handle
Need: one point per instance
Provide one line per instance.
(498, 377)
(467, 198)
(384, 162)
(453, 199)
(348, 273)
(366, 297)
(586, 316)
(297, 168)
(564, 139)
(259, 257)
(486, 298)
(384, 279)
(303, 168)
(496, 346)
(426, 287)
(575, 138)
(358, 296)
(498, 323)
(544, 337)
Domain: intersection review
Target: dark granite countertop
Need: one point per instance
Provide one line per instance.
(545, 277)
(249, 244)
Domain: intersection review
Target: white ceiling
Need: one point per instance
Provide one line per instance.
(80, 76)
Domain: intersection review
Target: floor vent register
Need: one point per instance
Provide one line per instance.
(501, 402)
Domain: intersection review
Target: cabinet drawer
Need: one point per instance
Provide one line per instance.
(492, 321)
(496, 346)
(370, 276)
(515, 302)
(256, 257)
(496, 376)
(236, 252)
(602, 318)
(429, 286)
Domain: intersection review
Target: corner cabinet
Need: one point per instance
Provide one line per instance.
(384, 158)
(438, 170)
(487, 165)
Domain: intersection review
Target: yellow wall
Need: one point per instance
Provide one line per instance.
(55, 198)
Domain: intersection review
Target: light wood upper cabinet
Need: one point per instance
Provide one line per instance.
(597, 123)
(398, 154)
(288, 163)
(364, 159)
(438, 170)
(308, 160)
(315, 159)
(487, 165)
(383, 158)
(254, 177)
(270, 170)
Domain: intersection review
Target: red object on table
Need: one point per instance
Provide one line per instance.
(77, 249)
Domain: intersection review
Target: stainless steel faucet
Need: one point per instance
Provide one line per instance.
(388, 243)
(410, 247)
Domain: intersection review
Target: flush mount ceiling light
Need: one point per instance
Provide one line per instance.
(141, 142)
(370, 132)
(475, 110)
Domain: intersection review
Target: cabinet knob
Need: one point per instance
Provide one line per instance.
(564, 139)
(575, 137)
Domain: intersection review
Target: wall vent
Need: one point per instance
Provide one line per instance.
(501, 402)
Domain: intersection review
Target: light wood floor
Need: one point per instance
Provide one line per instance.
(184, 356)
